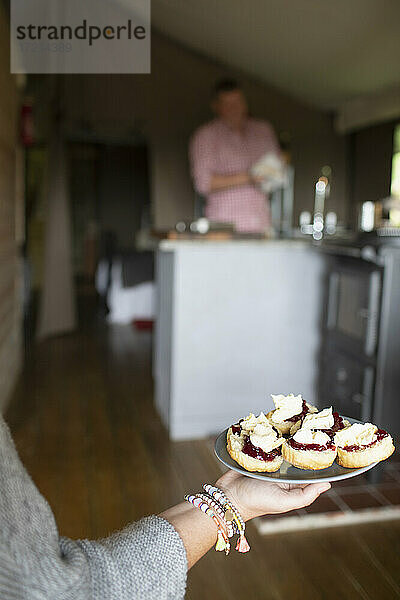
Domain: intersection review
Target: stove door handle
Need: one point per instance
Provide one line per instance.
(358, 398)
(371, 338)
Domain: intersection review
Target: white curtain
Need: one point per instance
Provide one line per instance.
(57, 312)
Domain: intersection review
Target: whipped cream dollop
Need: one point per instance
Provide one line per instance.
(265, 437)
(319, 420)
(286, 407)
(251, 421)
(308, 436)
(237, 443)
(359, 434)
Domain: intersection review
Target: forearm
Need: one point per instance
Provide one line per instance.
(196, 529)
(220, 182)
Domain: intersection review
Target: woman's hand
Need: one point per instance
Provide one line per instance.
(256, 180)
(254, 498)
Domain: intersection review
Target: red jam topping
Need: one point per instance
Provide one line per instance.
(236, 429)
(317, 447)
(300, 415)
(380, 434)
(254, 452)
(337, 425)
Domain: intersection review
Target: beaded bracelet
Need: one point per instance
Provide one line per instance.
(230, 525)
(216, 493)
(225, 515)
(222, 536)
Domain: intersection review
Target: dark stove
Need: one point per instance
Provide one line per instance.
(360, 352)
(362, 244)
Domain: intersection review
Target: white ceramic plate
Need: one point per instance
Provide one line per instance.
(287, 472)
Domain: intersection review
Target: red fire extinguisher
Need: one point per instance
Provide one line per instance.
(27, 126)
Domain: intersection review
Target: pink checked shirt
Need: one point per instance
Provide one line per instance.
(217, 149)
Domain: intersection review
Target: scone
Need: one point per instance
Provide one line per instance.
(309, 449)
(289, 410)
(362, 445)
(326, 420)
(255, 445)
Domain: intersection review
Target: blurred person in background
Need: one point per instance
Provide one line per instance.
(222, 153)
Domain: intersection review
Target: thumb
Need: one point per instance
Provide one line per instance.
(312, 491)
(300, 497)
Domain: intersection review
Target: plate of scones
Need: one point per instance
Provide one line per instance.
(297, 443)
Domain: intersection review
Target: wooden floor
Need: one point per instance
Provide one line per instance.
(85, 427)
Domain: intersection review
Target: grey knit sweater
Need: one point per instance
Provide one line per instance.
(147, 560)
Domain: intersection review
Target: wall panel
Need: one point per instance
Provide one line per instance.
(10, 314)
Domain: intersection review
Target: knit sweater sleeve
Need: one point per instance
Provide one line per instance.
(145, 560)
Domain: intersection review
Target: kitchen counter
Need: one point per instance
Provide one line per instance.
(267, 243)
(236, 321)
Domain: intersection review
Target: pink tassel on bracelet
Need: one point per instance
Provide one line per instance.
(242, 544)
